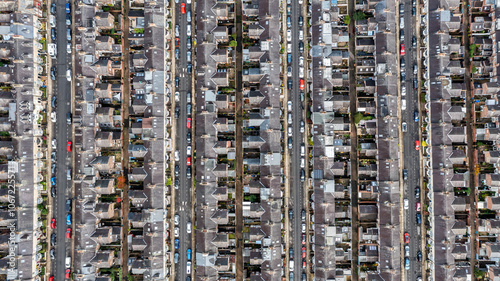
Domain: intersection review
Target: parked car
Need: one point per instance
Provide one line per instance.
(407, 237)
(188, 254)
(53, 223)
(69, 146)
(68, 232)
(53, 191)
(417, 206)
(419, 218)
(68, 219)
(176, 243)
(183, 8)
(68, 8)
(417, 145)
(407, 264)
(402, 50)
(176, 219)
(188, 123)
(53, 238)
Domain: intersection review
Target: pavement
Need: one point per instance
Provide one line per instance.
(62, 132)
(296, 201)
(410, 155)
(183, 195)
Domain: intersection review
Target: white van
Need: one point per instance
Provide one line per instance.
(52, 50)
(292, 265)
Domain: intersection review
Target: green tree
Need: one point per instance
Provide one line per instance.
(347, 20)
(359, 15)
(233, 43)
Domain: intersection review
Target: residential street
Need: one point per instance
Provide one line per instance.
(63, 132)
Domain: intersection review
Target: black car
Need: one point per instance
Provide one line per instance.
(176, 184)
(417, 192)
(405, 174)
(302, 175)
(403, 76)
(188, 172)
(176, 170)
(53, 34)
(68, 19)
(414, 11)
(177, 81)
(301, 46)
(188, 137)
(54, 102)
(53, 238)
(414, 41)
(419, 256)
(53, 156)
(290, 214)
(290, 84)
(301, 21)
(189, 68)
(176, 113)
(53, 73)
(53, 191)
(415, 83)
(290, 253)
(68, 205)
(403, 62)
(419, 218)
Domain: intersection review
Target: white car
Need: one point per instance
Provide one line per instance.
(188, 1)
(290, 132)
(301, 61)
(177, 96)
(176, 219)
(301, 34)
(176, 30)
(289, 105)
(176, 155)
(68, 75)
(54, 144)
(176, 232)
(289, 35)
(403, 91)
(289, 48)
(302, 162)
(406, 204)
(188, 97)
(289, 118)
(188, 150)
(53, 116)
(301, 72)
(188, 227)
(189, 30)
(68, 48)
(188, 267)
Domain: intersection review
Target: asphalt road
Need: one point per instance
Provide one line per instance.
(411, 156)
(296, 186)
(183, 199)
(62, 133)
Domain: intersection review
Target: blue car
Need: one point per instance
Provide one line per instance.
(68, 219)
(68, 8)
(415, 115)
(53, 180)
(407, 263)
(176, 243)
(188, 252)
(419, 218)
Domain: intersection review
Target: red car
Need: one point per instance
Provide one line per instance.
(68, 232)
(188, 161)
(304, 252)
(188, 123)
(303, 264)
(177, 42)
(183, 8)
(53, 223)
(51, 278)
(417, 145)
(418, 206)
(68, 273)
(407, 237)
(402, 49)
(69, 146)
(302, 84)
